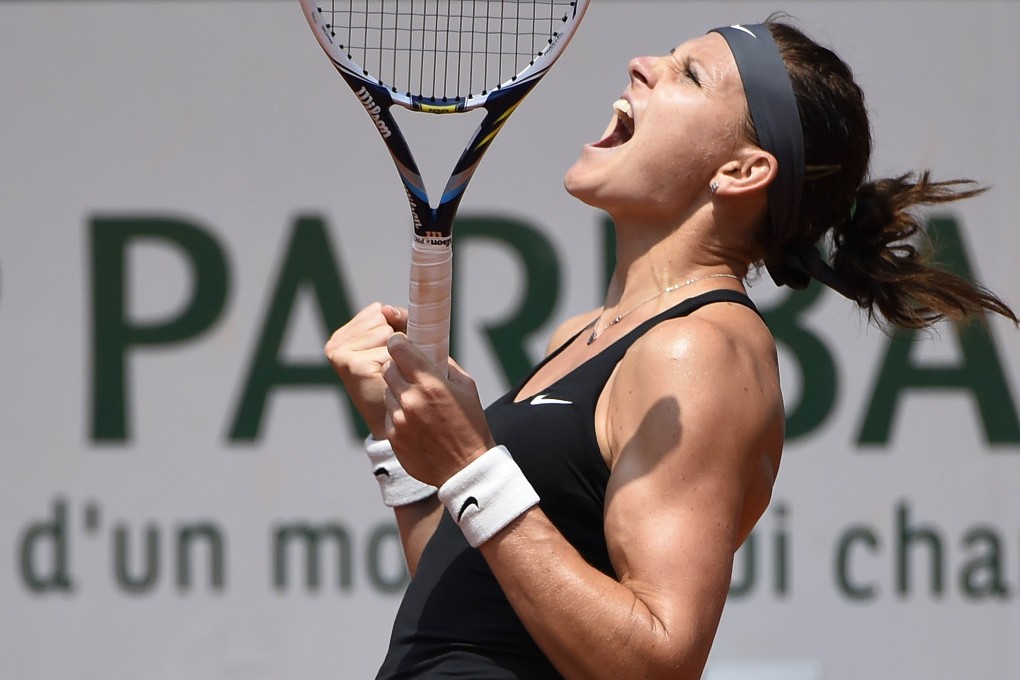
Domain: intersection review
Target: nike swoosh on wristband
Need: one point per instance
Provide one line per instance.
(468, 502)
(542, 399)
(380, 471)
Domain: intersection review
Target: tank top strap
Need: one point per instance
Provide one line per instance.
(611, 355)
(616, 351)
(697, 302)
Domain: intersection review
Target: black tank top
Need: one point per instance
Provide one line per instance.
(455, 621)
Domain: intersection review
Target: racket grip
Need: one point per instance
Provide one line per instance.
(429, 300)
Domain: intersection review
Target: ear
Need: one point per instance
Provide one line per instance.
(751, 173)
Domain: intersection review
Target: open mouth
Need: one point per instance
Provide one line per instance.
(622, 129)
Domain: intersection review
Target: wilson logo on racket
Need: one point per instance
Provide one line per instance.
(365, 97)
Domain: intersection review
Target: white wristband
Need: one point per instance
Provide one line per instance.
(488, 494)
(398, 488)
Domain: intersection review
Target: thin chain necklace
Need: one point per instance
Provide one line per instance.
(595, 332)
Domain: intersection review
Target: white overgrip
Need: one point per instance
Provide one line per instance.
(429, 300)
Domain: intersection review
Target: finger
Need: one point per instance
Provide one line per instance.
(354, 340)
(368, 329)
(366, 363)
(390, 402)
(388, 428)
(355, 327)
(396, 317)
(394, 417)
(409, 359)
(367, 317)
(396, 382)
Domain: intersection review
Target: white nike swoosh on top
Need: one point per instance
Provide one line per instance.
(542, 399)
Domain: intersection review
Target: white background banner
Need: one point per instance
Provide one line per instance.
(190, 197)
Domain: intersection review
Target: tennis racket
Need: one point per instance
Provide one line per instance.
(440, 57)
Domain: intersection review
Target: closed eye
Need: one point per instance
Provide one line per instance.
(685, 69)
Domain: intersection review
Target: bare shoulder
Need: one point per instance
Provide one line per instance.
(717, 368)
(693, 429)
(694, 416)
(723, 344)
(569, 329)
(723, 338)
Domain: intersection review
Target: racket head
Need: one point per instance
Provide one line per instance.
(444, 56)
(440, 56)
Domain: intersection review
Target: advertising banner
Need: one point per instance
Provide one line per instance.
(190, 202)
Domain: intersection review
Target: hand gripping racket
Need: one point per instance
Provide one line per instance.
(440, 56)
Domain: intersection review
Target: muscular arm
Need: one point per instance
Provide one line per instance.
(688, 421)
(358, 353)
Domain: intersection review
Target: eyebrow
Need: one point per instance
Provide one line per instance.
(689, 61)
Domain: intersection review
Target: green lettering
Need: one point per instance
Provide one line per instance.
(815, 363)
(854, 589)
(542, 284)
(981, 577)
(979, 370)
(114, 335)
(213, 537)
(146, 581)
(396, 580)
(312, 536)
(309, 264)
(910, 537)
(51, 534)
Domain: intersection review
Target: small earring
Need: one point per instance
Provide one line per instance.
(713, 187)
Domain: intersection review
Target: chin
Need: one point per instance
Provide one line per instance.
(580, 185)
(581, 193)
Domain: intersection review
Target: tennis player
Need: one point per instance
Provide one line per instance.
(584, 525)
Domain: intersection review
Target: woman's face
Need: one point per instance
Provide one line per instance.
(687, 111)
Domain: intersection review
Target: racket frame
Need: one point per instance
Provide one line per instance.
(430, 291)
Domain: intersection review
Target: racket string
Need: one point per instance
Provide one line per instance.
(445, 50)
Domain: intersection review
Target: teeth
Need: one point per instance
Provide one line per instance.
(624, 120)
(622, 107)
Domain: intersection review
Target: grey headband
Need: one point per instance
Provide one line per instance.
(773, 108)
(776, 119)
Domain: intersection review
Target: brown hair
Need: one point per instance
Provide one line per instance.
(879, 245)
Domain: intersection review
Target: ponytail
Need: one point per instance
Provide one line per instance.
(881, 256)
(885, 256)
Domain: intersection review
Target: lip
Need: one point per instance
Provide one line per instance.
(611, 138)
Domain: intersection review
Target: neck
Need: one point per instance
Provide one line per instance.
(597, 329)
(647, 262)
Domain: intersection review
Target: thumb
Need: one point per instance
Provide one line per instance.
(407, 357)
(396, 317)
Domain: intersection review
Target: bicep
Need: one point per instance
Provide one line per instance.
(670, 530)
(682, 460)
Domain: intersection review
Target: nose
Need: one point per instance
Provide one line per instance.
(642, 70)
